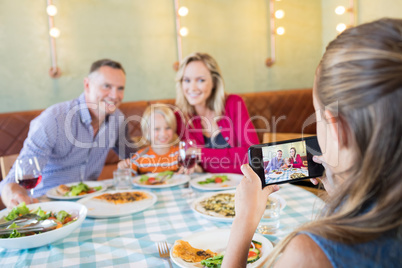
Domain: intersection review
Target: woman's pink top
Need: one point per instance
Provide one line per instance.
(236, 128)
(298, 163)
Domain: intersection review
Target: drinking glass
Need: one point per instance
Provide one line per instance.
(28, 173)
(122, 179)
(187, 154)
(269, 223)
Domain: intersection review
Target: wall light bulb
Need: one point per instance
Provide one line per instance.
(183, 11)
(279, 14)
(341, 27)
(340, 10)
(51, 10)
(54, 32)
(183, 31)
(280, 30)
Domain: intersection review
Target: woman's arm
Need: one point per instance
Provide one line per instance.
(250, 203)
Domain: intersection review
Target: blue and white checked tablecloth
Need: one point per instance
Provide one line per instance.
(130, 241)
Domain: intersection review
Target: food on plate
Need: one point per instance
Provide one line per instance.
(215, 179)
(254, 254)
(220, 203)
(62, 218)
(183, 249)
(278, 172)
(160, 178)
(77, 190)
(214, 262)
(297, 175)
(122, 197)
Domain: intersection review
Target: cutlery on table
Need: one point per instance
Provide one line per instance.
(163, 249)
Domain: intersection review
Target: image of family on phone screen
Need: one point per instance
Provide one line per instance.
(285, 162)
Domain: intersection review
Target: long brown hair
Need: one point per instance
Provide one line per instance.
(360, 78)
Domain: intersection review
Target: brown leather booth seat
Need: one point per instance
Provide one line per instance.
(286, 111)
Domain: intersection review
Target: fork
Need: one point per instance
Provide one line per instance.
(163, 249)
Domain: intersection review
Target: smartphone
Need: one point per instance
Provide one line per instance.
(285, 161)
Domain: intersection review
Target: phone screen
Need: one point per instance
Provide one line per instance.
(286, 161)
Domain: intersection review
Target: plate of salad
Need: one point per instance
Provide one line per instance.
(163, 179)
(68, 216)
(76, 190)
(216, 241)
(214, 182)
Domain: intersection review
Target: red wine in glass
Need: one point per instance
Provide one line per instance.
(188, 162)
(30, 182)
(28, 173)
(187, 156)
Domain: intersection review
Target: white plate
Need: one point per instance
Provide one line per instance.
(274, 176)
(176, 179)
(217, 240)
(52, 193)
(231, 183)
(211, 215)
(103, 209)
(39, 240)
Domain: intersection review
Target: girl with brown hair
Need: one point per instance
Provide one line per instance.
(357, 97)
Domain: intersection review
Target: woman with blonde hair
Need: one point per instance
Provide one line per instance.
(357, 97)
(218, 123)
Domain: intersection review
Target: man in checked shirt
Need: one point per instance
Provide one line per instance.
(72, 139)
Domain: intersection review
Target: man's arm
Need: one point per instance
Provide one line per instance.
(124, 146)
(39, 143)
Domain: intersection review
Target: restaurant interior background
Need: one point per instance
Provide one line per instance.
(142, 36)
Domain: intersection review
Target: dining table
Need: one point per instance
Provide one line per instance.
(131, 241)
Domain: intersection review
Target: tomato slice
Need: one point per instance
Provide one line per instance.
(251, 254)
(151, 180)
(218, 180)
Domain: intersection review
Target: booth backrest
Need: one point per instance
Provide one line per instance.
(285, 111)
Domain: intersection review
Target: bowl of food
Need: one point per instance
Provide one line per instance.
(68, 215)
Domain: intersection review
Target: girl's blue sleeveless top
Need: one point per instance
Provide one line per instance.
(386, 251)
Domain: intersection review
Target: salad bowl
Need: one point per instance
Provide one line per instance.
(41, 239)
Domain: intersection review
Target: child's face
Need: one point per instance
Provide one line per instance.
(161, 134)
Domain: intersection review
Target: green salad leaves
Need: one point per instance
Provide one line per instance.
(62, 217)
(81, 187)
(214, 262)
(215, 179)
(21, 209)
(165, 175)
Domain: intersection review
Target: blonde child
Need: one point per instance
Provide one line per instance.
(158, 125)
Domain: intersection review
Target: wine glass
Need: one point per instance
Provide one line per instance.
(28, 173)
(187, 154)
(187, 159)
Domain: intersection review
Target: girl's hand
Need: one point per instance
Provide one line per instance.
(250, 203)
(327, 178)
(126, 163)
(251, 199)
